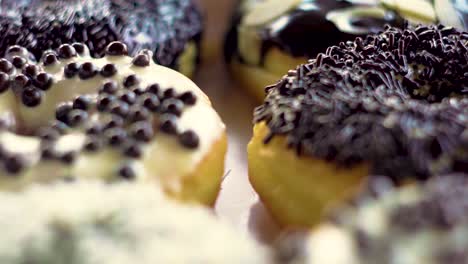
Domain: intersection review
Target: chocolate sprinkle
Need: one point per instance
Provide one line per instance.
(30, 70)
(141, 60)
(110, 87)
(66, 51)
(14, 164)
(92, 144)
(154, 89)
(62, 111)
(18, 62)
(127, 172)
(79, 48)
(142, 131)
(397, 101)
(76, 117)
(169, 124)
(116, 136)
(87, 70)
(31, 97)
(82, 102)
(133, 151)
(47, 154)
(104, 102)
(151, 102)
(108, 70)
(43, 81)
(71, 70)
(6, 66)
(68, 158)
(129, 97)
(49, 59)
(131, 80)
(20, 81)
(116, 48)
(137, 113)
(94, 129)
(189, 139)
(172, 106)
(163, 27)
(188, 98)
(4, 82)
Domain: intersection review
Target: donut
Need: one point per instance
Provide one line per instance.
(269, 37)
(71, 116)
(421, 223)
(87, 222)
(393, 104)
(171, 29)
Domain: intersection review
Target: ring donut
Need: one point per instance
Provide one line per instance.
(392, 104)
(171, 29)
(415, 224)
(89, 222)
(269, 37)
(73, 116)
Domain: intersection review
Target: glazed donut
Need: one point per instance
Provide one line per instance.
(269, 37)
(117, 117)
(391, 104)
(86, 223)
(416, 224)
(171, 29)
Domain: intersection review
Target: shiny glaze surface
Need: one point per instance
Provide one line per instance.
(308, 30)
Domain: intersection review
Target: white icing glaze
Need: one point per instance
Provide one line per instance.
(121, 223)
(164, 157)
(332, 246)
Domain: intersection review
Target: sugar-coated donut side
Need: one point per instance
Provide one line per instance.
(391, 104)
(72, 116)
(90, 222)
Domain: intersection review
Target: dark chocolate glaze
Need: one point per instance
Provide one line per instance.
(232, 36)
(363, 101)
(161, 26)
(308, 32)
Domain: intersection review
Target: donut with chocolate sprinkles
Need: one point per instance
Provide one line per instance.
(170, 29)
(70, 121)
(420, 223)
(268, 37)
(393, 104)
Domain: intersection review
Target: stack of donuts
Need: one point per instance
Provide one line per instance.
(109, 153)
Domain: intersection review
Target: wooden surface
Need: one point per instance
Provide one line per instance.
(238, 202)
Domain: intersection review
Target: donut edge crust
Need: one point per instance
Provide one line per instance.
(204, 183)
(314, 184)
(254, 79)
